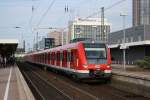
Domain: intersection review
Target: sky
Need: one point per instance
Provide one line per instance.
(19, 13)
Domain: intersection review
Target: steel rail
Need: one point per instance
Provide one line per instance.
(34, 86)
(61, 92)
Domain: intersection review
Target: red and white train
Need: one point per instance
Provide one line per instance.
(82, 60)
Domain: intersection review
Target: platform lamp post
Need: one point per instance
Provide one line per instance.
(124, 40)
(23, 41)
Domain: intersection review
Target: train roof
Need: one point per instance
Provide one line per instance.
(65, 47)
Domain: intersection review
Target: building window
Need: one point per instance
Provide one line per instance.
(118, 41)
(127, 40)
(131, 39)
(139, 38)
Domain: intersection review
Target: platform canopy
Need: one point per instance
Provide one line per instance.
(8, 47)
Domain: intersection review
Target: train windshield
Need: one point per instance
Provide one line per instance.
(96, 54)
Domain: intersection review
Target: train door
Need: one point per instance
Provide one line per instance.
(43, 58)
(74, 60)
(58, 59)
(53, 57)
(34, 58)
(61, 58)
(64, 62)
(48, 60)
(39, 58)
(46, 57)
(68, 58)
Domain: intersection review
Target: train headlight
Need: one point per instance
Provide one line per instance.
(85, 65)
(108, 66)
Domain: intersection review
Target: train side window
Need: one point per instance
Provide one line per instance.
(49, 56)
(43, 57)
(63, 59)
(68, 56)
(61, 56)
(72, 56)
(46, 57)
(58, 56)
(64, 56)
(40, 58)
(52, 58)
(55, 56)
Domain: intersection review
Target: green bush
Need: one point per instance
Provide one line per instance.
(145, 63)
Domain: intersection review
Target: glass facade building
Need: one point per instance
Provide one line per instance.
(141, 12)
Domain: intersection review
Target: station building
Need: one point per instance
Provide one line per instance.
(88, 28)
(137, 44)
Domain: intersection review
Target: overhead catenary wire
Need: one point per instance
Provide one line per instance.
(107, 8)
(44, 14)
(93, 14)
(111, 6)
(68, 9)
(33, 9)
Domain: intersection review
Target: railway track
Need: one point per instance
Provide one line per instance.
(41, 89)
(66, 89)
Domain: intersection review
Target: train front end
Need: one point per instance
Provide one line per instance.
(97, 61)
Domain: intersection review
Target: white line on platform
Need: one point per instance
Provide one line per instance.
(7, 86)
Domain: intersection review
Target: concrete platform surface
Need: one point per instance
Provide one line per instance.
(13, 85)
(134, 79)
(132, 71)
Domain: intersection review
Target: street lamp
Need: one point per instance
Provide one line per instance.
(17, 27)
(22, 37)
(124, 40)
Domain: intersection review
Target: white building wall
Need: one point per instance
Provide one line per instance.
(84, 25)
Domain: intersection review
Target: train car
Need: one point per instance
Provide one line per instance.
(82, 60)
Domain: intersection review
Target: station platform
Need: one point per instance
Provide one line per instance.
(131, 79)
(13, 85)
(131, 70)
